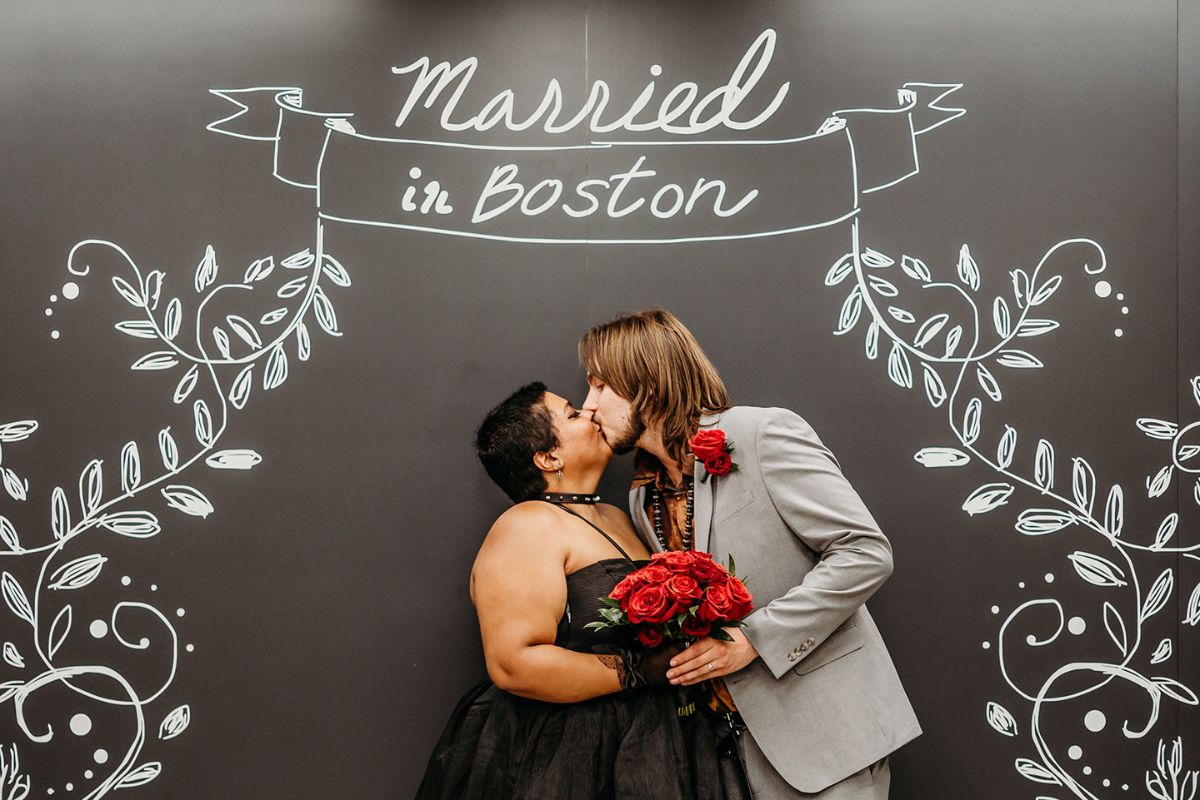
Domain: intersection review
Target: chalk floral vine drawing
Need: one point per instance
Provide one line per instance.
(226, 358)
(1169, 780)
(958, 371)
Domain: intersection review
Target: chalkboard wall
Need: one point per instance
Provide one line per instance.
(958, 238)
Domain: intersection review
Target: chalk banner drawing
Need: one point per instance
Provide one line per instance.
(220, 361)
(960, 367)
(656, 191)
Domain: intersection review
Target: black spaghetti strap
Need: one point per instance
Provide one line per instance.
(598, 529)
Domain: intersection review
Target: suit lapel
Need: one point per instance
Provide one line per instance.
(703, 510)
(637, 510)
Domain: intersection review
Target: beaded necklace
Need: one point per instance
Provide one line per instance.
(688, 534)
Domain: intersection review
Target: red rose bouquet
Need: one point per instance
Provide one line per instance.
(680, 595)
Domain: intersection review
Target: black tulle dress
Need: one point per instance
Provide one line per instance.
(648, 743)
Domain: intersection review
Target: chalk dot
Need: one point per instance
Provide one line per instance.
(1049, 577)
(81, 724)
(655, 70)
(1124, 309)
(98, 628)
(1118, 333)
(414, 173)
(1076, 625)
(191, 648)
(1021, 585)
(154, 587)
(53, 298)
(126, 580)
(50, 791)
(70, 787)
(54, 334)
(100, 756)
(987, 645)
(1125, 787)
(995, 609)
(49, 312)
(1106, 782)
(144, 642)
(1087, 770)
(70, 290)
(1120, 295)
(1075, 752)
(87, 773)
(1031, 640)
(1095, 721)
(1103, 289)
(179, 612)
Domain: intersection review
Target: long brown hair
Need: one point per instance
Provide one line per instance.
(652, 360)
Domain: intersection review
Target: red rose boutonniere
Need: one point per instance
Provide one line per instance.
(711, 447)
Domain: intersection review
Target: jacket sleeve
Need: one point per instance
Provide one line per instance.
(806, 485)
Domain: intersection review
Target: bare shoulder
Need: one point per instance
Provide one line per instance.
(524, 531)
(533, 512)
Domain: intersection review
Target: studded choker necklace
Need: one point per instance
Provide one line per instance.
(565, 497)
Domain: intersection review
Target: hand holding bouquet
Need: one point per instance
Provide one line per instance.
(679, 596)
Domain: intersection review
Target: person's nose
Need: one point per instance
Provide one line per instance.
(592, 402)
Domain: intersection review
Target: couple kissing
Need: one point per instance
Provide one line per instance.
(788, 692)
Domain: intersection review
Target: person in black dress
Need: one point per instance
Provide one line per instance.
(567, 712)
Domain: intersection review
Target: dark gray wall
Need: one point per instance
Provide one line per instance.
(325, 597)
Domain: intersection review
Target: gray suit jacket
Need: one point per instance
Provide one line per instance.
(823, 700)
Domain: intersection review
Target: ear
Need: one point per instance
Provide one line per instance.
(547, 461)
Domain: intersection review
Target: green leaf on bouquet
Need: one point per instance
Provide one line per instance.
(609, 601)
(720, 635)
(600, 626)
(732, 568)
(613, 615)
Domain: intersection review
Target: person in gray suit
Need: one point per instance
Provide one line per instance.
(808, 682)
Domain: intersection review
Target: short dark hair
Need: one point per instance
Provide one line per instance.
(510, 435)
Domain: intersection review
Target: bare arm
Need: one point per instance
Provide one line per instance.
(519, 589)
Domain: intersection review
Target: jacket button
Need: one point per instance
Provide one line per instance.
(809, 642)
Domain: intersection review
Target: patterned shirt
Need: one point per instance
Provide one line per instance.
(649, 472)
